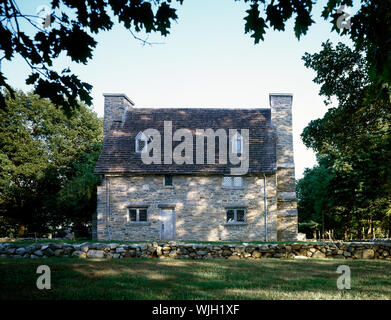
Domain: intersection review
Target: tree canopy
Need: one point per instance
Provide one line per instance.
(353, 143)
(71, 25)
(46, 165)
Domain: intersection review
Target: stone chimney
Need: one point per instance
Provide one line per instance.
(115, 106)
(281, 111)
(281, 105)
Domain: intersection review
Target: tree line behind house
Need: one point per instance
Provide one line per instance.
(46, 167)
(347, 195)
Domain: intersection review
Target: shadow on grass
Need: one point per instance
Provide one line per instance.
(187, 279)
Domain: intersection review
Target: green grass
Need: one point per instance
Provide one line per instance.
(186, 279)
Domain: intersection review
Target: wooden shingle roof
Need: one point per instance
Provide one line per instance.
(119, 156)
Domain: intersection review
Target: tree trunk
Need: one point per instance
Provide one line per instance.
(372, 233)
(389, 227)
(21, 230)
(359, 229)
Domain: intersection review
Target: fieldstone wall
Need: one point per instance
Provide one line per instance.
(198, 251)
(287, 222)
(199, 202)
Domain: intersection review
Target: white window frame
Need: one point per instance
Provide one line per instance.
(231, 185)
(143, 137)
(137, 214)
(235, 221)
(235, 139)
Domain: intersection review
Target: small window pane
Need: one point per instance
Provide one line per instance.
(133, 214)
(227, 181)
(230, 216)
(237, 181)
(168, 180)
(239, 145)
(240, 215)
(143, 215)
(141, 144)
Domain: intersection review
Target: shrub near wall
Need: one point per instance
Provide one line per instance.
(198, 251)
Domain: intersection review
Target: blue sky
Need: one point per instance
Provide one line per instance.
(206, 61)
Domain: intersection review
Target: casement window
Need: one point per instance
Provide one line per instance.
(168, 180)
(141, 142)
(137, 215)
(232, 182)
(236, 215)
(237, 143)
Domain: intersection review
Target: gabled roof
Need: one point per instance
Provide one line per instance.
(119, 156)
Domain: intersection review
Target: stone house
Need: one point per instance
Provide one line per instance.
(196, 200)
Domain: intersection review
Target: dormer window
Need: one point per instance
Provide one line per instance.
(237, 143)
(141, 142)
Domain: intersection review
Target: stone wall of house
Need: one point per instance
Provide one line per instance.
(200, 204)
(287, 222)
(198, 251)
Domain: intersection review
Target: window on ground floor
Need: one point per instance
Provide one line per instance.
(236, 215)
(137, 214)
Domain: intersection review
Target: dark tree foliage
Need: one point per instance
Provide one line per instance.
(46, 166)
(277, 13)
(71, 33)
(369, 29)
(71, 27)
(355, 138)
(315, 204)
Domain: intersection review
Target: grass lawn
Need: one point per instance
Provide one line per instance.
(140, 278)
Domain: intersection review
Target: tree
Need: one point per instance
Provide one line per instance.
(70, 27)
(355, 137)
(71, 31)
(315, 201)
(369, 29)
(46, 164)
(76, 202)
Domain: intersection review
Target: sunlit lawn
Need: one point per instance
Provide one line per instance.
(73, 278)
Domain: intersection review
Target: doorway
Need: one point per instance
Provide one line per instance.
(167, 224)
